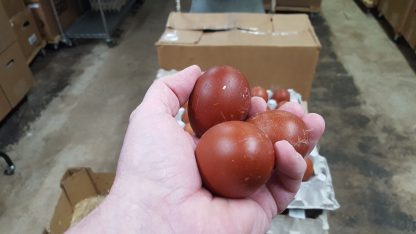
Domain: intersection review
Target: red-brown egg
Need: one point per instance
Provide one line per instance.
(259, 92)
(234, 159)
(282, 125)
(281, 95)
(221, 94)
(309, 169)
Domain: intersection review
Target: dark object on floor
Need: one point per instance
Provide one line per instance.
(10, 165)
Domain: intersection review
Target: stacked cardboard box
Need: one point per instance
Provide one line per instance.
(15, 76)
(409, 27)
(271, 50)
(45, 19)
(401, 16)
(22, 21)
(395, 11)
(68, 12)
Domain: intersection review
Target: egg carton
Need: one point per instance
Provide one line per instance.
(316, 193)
(283, 224)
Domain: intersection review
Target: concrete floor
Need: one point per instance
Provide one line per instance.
(77, 113)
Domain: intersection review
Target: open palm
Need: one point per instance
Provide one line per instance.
(158, 186)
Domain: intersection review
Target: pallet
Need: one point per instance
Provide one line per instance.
(55, 42)
(370, 4)
(298, 9)
(38, 49)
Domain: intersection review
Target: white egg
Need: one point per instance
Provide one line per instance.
(272, 104)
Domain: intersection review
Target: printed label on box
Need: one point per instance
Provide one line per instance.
(32, 39)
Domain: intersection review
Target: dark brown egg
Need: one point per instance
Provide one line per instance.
(221, 94)
(281, 95)
(234, 159)
(309, 169)
(259, 92)
(282, 125)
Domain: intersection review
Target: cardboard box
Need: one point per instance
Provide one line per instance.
(271, 50)
(45, 20)
(396, 12)
(27, 32)
(77, 184)
(409, 27)
(13, 7)
(4, 105)
(15, 76)
(293, 5)
(68, 10)
(7, 35)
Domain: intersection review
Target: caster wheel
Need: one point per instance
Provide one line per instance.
(10, 165)
(56, 46)
(111, 43)
(10, 170)
(380, 15)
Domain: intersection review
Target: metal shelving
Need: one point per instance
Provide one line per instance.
(94, 24)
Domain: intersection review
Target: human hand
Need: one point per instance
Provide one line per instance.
(158, 188)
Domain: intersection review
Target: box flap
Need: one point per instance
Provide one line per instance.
(220, 21)
(180, 36)
(60, 222)
(78, 186)
(103, 182)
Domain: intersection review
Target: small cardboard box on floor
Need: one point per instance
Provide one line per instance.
(77, 184)
(271, 50)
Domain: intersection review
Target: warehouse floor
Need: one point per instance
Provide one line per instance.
(77, 113)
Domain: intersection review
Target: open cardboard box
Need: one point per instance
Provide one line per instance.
(77, 184)
(271, 50)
